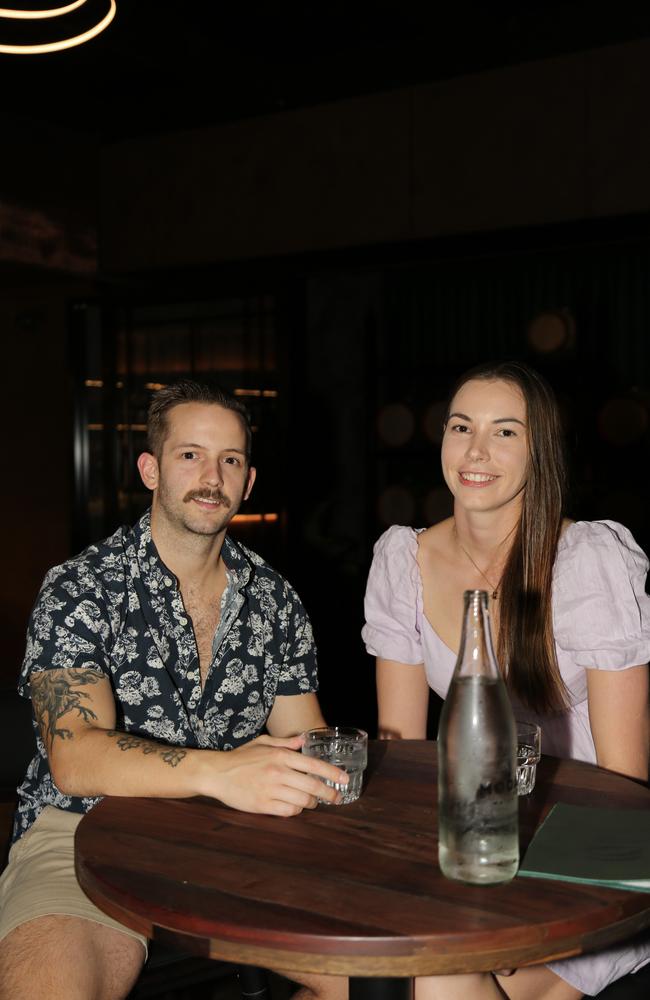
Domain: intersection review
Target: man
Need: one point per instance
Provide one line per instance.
(148, 656)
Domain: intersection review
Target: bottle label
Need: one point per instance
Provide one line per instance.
(505, 784)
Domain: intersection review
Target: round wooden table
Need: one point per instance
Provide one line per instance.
(353, 890)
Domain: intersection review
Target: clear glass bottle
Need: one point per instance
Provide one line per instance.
(478, 830)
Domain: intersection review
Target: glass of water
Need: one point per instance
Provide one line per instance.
(529, 751)
(344, 747)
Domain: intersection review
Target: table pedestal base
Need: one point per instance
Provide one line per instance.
(382, 988)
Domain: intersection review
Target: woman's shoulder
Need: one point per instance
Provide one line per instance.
(393, 597)
(395, 554)
(601, 541)
(600, 609)
(399, 538)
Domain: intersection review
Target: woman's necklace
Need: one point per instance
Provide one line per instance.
(494, 588)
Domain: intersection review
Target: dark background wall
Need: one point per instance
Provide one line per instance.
(547, 142)
(395, 238)
(48, 233)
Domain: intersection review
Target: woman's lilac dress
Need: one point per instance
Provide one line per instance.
(601, 621)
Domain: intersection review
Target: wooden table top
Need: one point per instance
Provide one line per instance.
(353, 890)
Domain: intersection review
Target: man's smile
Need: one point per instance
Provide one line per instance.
(210, 498)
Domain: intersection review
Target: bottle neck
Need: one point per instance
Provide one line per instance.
(476, 652)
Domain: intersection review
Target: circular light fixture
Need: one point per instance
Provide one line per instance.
(58, 45)
(38, 15)
(552, 331)
(395, 424)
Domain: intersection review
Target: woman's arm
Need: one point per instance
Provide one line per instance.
(618, 715)
(402, 700)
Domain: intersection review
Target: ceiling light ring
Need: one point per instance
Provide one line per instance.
(66, 43)
(39, 15)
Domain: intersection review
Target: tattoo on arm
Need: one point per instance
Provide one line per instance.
(127, 741)
(54, 695)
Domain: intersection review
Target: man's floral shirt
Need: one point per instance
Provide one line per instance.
(117, 609)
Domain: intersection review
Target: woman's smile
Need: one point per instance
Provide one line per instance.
(476, 478)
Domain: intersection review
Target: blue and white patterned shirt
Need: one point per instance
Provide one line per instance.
(117, 609)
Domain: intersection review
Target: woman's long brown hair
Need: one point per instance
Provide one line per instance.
(525, 643)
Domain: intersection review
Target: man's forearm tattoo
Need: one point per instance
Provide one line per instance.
(54, 694)
(127, 741)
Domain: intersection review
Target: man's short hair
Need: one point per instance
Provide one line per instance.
(188, 391)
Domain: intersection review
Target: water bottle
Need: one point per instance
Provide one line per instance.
(478, 835)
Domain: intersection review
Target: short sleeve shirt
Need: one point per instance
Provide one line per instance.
(116, 609)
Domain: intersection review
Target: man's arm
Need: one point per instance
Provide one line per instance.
(75, 711)
(294, 714)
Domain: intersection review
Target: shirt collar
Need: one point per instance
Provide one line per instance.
(238, 565)
(144, 543)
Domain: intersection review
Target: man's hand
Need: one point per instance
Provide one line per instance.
(269, 775)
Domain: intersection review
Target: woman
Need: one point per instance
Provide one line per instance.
(568, 608)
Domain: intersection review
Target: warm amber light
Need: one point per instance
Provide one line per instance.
(255, 518)
(65, 43)
(40, 14)
(97, 383)
(272, 393)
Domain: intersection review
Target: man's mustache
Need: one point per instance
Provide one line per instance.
(208, 495)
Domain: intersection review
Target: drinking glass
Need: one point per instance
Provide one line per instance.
(344, 747)
(529, 751)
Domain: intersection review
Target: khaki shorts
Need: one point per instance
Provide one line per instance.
(40, 879)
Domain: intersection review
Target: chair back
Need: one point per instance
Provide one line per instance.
(17, 749)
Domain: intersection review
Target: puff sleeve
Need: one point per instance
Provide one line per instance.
(393, 602)
(601, 610)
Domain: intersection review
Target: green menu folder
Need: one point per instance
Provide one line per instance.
(589, 844)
